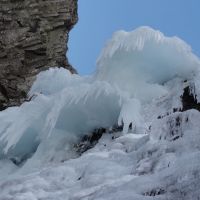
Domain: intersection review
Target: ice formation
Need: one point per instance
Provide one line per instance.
(139, 82)
(142, 60)
(130, 115)
(71, 105)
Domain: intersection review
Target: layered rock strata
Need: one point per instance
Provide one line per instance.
(33, 37)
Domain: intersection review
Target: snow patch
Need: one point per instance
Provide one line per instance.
(142, 60)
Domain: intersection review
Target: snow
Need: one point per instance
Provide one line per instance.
(144, 59)
(139, 81)
(73, 108)
(117, 168)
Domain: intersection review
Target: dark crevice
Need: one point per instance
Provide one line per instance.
(34, 26)
(30, 54)
(154, 192)
(3, 91)
(89, 141)
(189, 100)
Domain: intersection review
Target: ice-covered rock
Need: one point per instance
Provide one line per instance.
(140, 84)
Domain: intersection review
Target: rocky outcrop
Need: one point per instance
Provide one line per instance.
(189, 100)
(33, 37)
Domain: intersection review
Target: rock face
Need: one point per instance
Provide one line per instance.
(33, 37)
(189, 100)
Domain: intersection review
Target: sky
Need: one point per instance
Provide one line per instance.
(99, 19)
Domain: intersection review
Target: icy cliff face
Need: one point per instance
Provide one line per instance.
(145, 82)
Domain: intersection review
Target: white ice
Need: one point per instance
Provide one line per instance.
(139, 80)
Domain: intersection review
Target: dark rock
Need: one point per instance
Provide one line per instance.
(116, 128)
(89, 141)
(189, 100)
(33, 37)
(154, 192)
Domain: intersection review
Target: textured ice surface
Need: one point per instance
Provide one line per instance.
(72, 107)
(141, 60)
(139, 82)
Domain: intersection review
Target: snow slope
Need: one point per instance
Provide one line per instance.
(139, 82)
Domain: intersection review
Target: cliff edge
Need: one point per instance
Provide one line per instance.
(33, 37)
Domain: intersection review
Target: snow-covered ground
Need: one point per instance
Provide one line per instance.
(139, 83)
